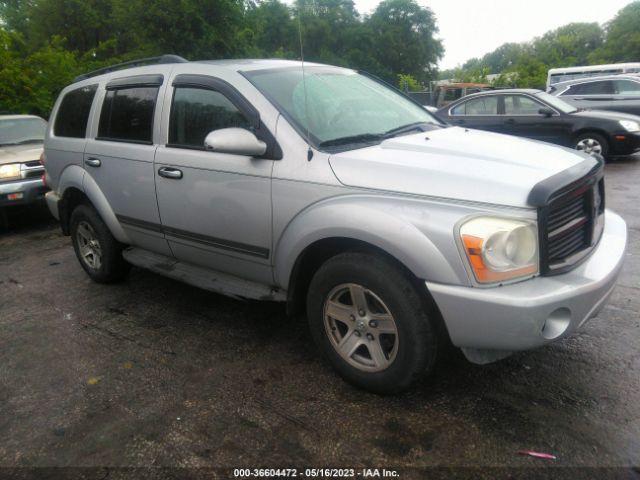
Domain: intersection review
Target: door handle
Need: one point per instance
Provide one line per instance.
(168, 172)
(93, 162)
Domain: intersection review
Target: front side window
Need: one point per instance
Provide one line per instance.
(334, 104)
(626, 87)
(73, 113)
(21, 130)
(521, 105)
(487, 105)
(196, 112)
(127, 115)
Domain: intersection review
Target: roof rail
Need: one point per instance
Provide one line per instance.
(162, 59)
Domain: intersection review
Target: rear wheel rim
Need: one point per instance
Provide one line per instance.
(89, 246)
(360, 327)
(590, 146)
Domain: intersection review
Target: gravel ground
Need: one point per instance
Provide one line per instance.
(155, 373)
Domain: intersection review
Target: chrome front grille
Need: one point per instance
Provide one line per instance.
(572, 226)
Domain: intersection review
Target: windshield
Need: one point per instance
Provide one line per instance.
(16, 131)
(556, 103)
(340, 106)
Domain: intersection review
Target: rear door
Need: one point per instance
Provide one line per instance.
(480, 113)
(521, 118)
(215, 207)
(119, 156)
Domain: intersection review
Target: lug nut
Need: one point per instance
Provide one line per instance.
(369, 336)
(352, 318)
(357, 333)
(373, 323)
(361, 313)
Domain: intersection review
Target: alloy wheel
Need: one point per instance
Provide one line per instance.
(590, 146)
(88, 245)
(360, 327)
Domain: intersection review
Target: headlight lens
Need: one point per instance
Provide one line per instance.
(630, 125)
(10, 171)
(500, 249)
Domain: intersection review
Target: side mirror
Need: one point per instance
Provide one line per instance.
(547, 112)
(238, 141)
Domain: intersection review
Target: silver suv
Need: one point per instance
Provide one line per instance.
(329, 190)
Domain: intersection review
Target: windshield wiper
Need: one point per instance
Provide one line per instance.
(351, 139)
(404, 129)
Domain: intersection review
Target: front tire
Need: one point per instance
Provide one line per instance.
(592, 143)
(98, 252)
(370, 322)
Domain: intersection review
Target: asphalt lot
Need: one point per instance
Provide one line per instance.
(152, 372)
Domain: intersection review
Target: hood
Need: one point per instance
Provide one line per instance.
(20, 153)
(606, 115)
(455, 163)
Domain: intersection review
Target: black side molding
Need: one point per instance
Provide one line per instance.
(136, 81)
(548, 189)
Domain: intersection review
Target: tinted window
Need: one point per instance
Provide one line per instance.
(626, 87)
(127, 114)
(73, 113)
(478, 106)
(521, 105)
(590, 88)
(196, 112)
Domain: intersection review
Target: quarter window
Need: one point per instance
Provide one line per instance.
(196, 112)
(73, 113)
(127, 115)
(626, 87)
(521, 105)
(478, 106)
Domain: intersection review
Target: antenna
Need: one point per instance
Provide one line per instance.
(304, 84)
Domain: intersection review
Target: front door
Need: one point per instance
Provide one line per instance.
(521, 118)
(215, 208)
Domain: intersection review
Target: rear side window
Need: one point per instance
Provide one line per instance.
(196, 112)
(73, 113)
(591, 88)
(127, 115)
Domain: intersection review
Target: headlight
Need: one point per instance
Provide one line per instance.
(630, 125)
(10, 171)
(500, 249)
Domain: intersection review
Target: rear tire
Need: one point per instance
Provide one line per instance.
(98, 252)
(368, 354)
(591, 143)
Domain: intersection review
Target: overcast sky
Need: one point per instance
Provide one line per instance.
(471, 28)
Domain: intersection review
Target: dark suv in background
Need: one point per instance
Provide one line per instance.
(618, 93)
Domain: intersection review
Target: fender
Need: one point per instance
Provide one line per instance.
(99, 201)
(379, 221)
(71, 176)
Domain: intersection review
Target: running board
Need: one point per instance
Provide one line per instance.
(211, 280)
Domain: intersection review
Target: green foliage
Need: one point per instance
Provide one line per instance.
(526, 64)
(47, 42)
(407, 83)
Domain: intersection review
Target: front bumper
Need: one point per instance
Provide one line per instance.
(625, 143)
(22, 192)
(538, 311)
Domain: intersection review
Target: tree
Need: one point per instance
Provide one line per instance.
(404, 38)
(569, 45)
(622, 42)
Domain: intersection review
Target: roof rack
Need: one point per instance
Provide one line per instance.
(162, 59)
